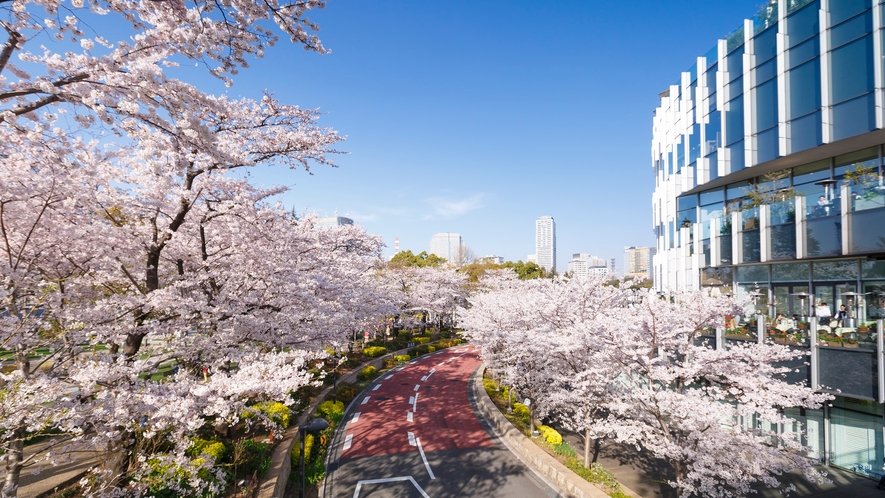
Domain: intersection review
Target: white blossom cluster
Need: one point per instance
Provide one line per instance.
(630, 366)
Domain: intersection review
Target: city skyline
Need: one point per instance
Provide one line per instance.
(482, 133)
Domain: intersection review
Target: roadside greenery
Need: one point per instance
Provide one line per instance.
(551, 441)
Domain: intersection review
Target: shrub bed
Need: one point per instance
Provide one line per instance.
(552, 442)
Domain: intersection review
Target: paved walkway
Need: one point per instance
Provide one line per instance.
(43, 478)
(643, 474)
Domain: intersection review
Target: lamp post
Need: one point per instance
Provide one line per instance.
(315, 425)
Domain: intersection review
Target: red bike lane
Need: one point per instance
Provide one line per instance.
(414, 434)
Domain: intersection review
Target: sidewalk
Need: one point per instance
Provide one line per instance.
(642, 474)
(50, 477)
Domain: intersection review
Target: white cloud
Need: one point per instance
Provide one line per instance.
(450, 208)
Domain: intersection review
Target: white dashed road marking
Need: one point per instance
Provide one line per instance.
(412, 439)
(355, 418)
(347, 442)
(365, 400)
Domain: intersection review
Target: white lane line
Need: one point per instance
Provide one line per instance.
(424, 458)
(441, 364)
(409, 416)
(365, 400)
(411, 400)
(359, 484)
(411, 439)
(376, 387)
(432, 370)
(418, 387)
(424, 378)
(355, 418)
(388, 377)
(415, 403)
(347, 442)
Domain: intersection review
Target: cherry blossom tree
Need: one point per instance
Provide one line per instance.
(128, 246)
(634, 370)
(423, 290)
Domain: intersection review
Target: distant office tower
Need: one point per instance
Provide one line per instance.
(531, 258)
(332, 221)
(637, 262)
(545, 242)
(492, 259)
(446, 245)
(586, 265)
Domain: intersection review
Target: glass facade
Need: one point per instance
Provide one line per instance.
(805, 235)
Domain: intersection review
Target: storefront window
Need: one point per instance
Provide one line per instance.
(856, 441)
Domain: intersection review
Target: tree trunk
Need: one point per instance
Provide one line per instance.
(587, 448)
(15, 453)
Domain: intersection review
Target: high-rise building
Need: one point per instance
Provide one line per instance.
(332, 221)
(446, 245)
(586, 265)
(545, 242)
(637, 262)
(492, 259)
(767, 154)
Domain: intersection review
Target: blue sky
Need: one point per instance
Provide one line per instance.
(478, 117)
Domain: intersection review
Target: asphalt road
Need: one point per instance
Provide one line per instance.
(415, 433)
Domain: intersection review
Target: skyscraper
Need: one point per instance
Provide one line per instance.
(545, 242)
(446, 245)
(637, 261)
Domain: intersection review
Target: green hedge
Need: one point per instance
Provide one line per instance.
(402, 357)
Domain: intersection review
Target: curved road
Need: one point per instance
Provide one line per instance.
(414, 433)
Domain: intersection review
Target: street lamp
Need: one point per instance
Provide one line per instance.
(315, 425)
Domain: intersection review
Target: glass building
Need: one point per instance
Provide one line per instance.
(767, 154)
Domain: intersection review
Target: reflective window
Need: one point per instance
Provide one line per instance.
(804, 89)
(711, 196)
(766, 71)
(804, 24)
(851, 30)
(713, 133)
(686, 202)
(766, 105)
(804, 52)
(851, 72)
(736, 88)
(767, 145)
(735, 63)
(805, 132)
(680, 155)
(854, 117)
(835, 270)
(753, 273)
(734, 121)
(713, 160)
(873, 269)
(736, 152)
(765, 44)
(789, 272)
(694, 144)
(712, 56)
(711, 77)
(844, 9)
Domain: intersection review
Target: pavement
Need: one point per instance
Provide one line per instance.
(414, 433)
(44, 478)
(643, 475)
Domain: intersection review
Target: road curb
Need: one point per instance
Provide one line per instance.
(568, 483)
